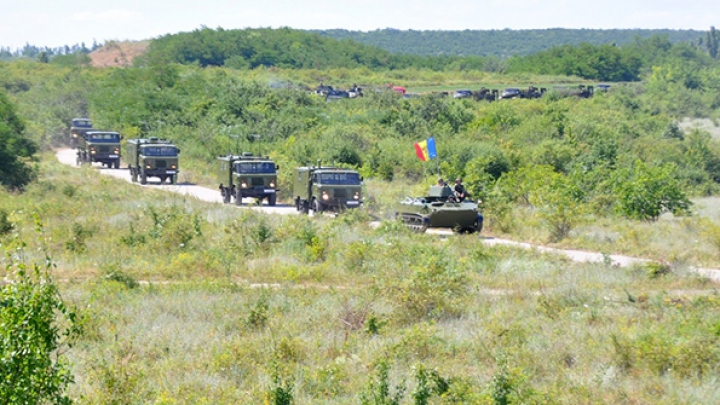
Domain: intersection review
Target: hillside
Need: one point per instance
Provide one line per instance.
(117, 53)
(499, 43)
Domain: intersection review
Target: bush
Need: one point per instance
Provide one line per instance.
(35, 324)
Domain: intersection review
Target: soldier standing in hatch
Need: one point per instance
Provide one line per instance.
(460, 192)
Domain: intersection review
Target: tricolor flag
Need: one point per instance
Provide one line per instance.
(426, 149)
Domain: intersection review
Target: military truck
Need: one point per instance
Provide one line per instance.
(78, 127)
(152, 157)
(440, 209)
(326, 188)
(99, 146)
(247, 176)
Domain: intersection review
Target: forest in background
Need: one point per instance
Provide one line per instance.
(502, 43)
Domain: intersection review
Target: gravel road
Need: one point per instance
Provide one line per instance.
(67, 156)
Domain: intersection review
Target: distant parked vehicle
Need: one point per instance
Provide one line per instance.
(463, 94)
(603, 87)
(510, 93)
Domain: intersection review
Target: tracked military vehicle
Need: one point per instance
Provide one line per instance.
(152, 157)
(78, 128)
(247, 176)
(99, 146)
(320, 189)
(440, 209)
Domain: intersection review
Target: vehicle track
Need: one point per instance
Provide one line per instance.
(67, 156)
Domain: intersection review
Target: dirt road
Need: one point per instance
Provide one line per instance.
(67, 156)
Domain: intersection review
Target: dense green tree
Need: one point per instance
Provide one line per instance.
(713, 42)
(14, 148)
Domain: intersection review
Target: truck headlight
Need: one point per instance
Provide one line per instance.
(92, 152)
(148, 167)
(325, 196)
(243, 185)
(272, 184)
(173, 167)
(356, 196)
(74, 135)
(117, 151)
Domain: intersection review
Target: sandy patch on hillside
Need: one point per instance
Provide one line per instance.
(120, 54)
(703, 124)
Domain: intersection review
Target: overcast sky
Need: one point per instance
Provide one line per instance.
(64, 22)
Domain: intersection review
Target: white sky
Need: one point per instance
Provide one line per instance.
(67, 22)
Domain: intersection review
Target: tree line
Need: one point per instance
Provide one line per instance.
(503, 43)
(296, 49)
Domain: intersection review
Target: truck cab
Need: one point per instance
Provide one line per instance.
(153, 157)
(99, 146)
(78, 127)
(248, 176)
(326, 188)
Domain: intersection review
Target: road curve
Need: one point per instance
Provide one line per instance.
(67, 156)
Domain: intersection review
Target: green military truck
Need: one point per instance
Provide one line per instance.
(247, 176)
(326, 188)
(152, 157)
(99, 146)
(78, 128)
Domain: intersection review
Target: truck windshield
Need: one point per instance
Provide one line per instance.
(103, 137)
(159, 151)
(255, 167)
(82, 123)
(340, 178)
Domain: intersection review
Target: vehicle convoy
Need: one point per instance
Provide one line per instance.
(99, 146)
(326, 188)
(439, 209)
(152, 157)
(247, 176)
(78, 127)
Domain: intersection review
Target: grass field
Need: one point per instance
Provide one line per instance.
(184, 302)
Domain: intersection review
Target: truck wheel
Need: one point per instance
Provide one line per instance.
(173, 179)
(162, 179)
(238, 198)
(272, 199)
(77, 160)
(133, 174)
(297, 203)
(225, 193)
(479, 225)
(143, 178)
(117, 163)
(317, 207)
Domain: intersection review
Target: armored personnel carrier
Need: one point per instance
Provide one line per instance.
(152, 157)
(326, 188)
(99, 146)
(247, 176)
(439, 209)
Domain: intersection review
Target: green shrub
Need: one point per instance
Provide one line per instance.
(37, 327)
